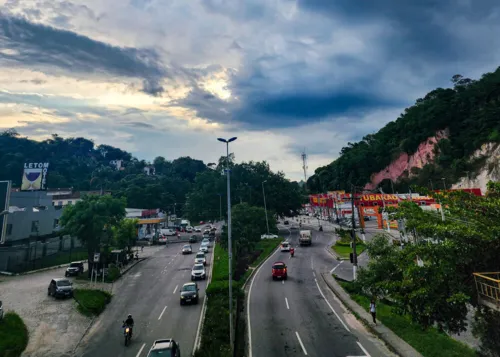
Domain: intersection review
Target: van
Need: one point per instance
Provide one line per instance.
(168, 232)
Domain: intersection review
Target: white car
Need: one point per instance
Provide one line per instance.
(197, 230)
(200, 258)
(285, 247)
(203, 248)
(206, 242)
(198, 272)
(189, 229)
(268, 236)
(168, 232)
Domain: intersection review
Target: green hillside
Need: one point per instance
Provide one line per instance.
(470, 112)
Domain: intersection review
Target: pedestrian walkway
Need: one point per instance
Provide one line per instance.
(390, 338)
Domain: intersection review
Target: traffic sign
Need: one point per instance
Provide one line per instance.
(97, 257)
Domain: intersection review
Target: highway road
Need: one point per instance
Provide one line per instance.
(150, 292)
(301, 316)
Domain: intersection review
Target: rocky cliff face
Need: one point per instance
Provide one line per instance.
(404, 163)
(489, 172)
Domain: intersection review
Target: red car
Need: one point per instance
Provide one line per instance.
(279, 271)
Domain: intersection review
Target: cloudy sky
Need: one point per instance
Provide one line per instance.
(167, 78)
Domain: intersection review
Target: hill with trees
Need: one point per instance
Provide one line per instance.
(468, 114)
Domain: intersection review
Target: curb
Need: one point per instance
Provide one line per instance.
(41, 270)
(391, 340)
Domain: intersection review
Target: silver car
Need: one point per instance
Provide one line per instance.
(204, 248)
(187, 249)
(200, 258)
(198, 272)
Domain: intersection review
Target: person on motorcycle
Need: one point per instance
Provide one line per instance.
(130, 323)
(292, 251)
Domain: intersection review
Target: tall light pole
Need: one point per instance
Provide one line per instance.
(229, 241)
(220, 206)
(265, 207)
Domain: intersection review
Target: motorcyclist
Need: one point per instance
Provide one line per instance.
(292, 251)
(130, 323)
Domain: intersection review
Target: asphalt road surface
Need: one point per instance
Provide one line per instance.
(150, 292)
(300, 316)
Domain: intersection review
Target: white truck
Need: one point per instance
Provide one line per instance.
(305, 238)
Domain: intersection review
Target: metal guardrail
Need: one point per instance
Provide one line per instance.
(488, 288)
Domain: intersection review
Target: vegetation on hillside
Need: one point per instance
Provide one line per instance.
(82, 165)
(468, 112)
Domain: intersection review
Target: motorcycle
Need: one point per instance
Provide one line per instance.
(127, 332)
(292, 252)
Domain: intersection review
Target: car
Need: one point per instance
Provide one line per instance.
(168, 232)
(75, 268)
(279, 271)
(198, 230)
(60, 287)
(189, 229)
(193, 239)
(213, 229)
(285, 247)
(200, 258)
(203, 248)
(1, 310)
(198, 272)
(202, 222)
(205, 241)
(189, 293)
(166, 347)
(268, 236)
(187, 249)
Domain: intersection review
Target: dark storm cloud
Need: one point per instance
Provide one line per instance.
(422, 28)
(138, 125)
(38, 46)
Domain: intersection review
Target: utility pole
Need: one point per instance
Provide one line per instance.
(353, 233)
(220, 207)
(265, 206)
(229, 242)
(384, 213)
(392, 186)
(304, 167)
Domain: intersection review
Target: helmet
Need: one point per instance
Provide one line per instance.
(129, 316)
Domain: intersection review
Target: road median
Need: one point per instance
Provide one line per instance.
(91, 302)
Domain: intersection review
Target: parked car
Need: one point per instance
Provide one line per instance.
(200, 258)
(187, 249)
(165, 348)
(189, 293)
(279, 271)
(268, 236)
(198, 272)
(75, 268)
(60, 288)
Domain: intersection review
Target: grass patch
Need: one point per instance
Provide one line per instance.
(430, 342)
(13, 335)
(343, 251)
(266, 246)
(91, 302)
(220, 270)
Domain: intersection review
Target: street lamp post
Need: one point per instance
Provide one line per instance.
(220, 206)
(229, 240)
(265, 206)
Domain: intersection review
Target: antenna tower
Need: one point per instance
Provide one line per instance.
(304, 166)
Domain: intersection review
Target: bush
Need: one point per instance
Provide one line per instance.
(113, 273)
(13, 335)
(91, 302)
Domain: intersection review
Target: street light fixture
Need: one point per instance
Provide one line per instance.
(265, 206)
(4, 213)
(229, 240)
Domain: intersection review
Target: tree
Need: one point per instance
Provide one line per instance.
(248, 224)
(125, 232)
(89, 218)
(438, 290)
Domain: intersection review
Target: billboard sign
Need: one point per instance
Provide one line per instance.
(34, 176)
(4, 206)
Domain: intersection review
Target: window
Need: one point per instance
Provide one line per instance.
(34, 226)
(56, 223)
(60, 203)
(9, 229)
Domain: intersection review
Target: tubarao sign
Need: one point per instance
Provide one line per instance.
(34, 176)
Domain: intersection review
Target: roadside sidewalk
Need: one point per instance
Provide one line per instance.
(390, 338)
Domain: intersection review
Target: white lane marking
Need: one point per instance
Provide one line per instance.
(314, 273)
(163, 311)
(287, 306)
(249, 326)
(336, 266)
(283, 282)
(140, 351)
(364, 350)
(312, 263)
(330, 306)
(301, 344)
(176, 288)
